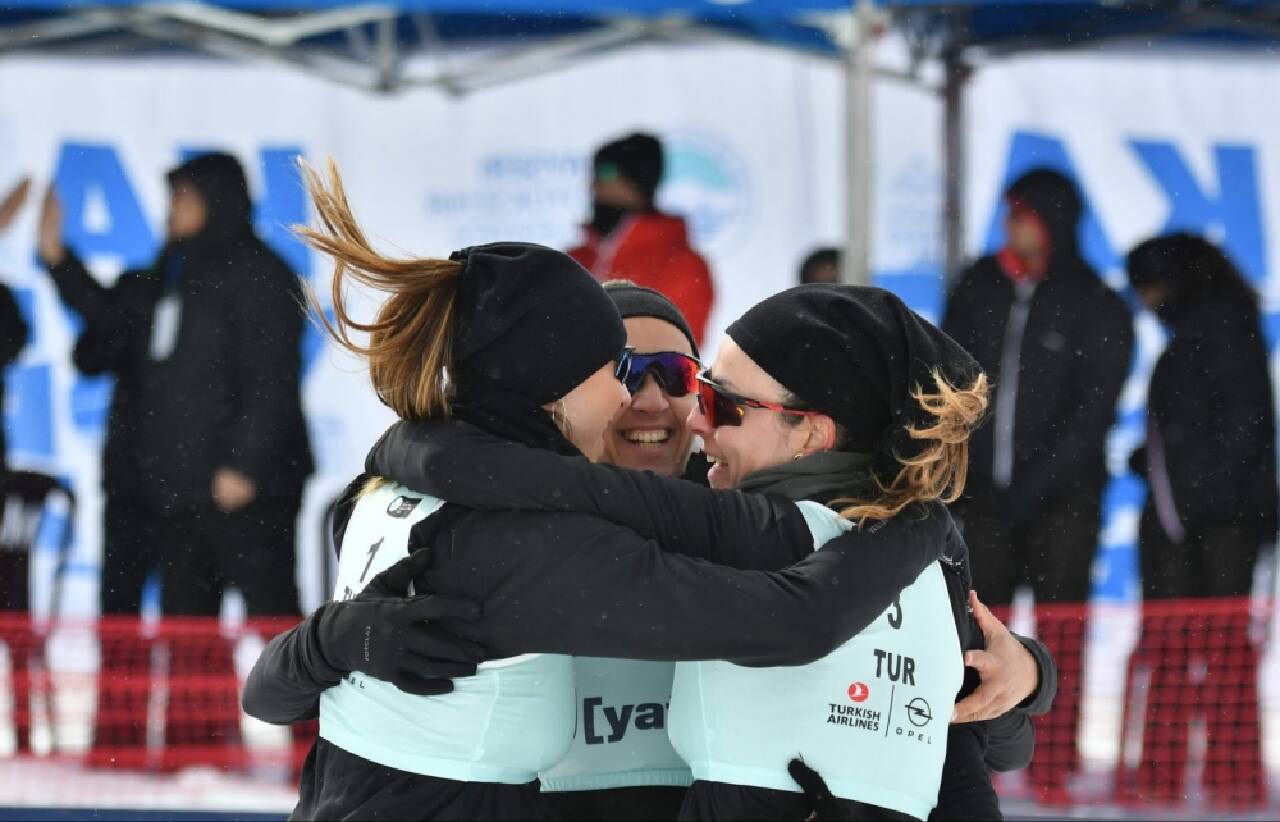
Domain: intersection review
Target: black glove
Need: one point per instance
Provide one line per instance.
(822, 805)
(385, 633)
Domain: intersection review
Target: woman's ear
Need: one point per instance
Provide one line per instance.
(822, 434)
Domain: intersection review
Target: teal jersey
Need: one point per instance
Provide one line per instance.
(871, 717)
(514, 718)
(622, 737)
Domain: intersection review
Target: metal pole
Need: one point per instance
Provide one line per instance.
(856, 266)
(954, 162)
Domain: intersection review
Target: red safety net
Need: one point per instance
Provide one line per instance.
(1160, 705)
(1189, 728)
(124, 693)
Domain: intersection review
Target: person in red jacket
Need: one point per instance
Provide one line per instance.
(627, 238)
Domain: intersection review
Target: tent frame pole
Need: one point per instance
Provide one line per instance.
(954, 161)
(856, 266)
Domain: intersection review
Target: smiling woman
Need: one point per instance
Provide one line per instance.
(652, 433)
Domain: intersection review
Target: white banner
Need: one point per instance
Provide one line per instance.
(754, 139)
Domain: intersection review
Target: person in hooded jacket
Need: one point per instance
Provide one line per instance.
(535, 353)
(627, 237)
(1057, 343)
(1210, 464)
(207, 449)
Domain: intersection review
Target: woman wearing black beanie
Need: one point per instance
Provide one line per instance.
(517, 341)
(867, 440)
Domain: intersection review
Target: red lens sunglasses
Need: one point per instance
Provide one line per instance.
(721, 406)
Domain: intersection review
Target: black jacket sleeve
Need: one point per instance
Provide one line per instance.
(116, 319)
(1041, 700)
(81, 292)
(1011, 738)
(573, 584)
(13, 329)
(292, 671)
(267, 318)
(289, 676)
(467, 466)
(1223, 437)
(1008, 741)
(604, 591)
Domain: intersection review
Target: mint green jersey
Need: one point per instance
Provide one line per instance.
(622, 737)
(514, 718)
(871, 717)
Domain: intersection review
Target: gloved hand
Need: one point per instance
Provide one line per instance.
(822, 805)
(386, 633)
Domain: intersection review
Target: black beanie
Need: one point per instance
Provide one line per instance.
(637, 157)
(637, 301)
(856, 354)
(530, 322)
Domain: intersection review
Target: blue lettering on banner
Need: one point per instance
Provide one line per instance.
(28, 417)
(90, 401)
(1232, 214)
(85, 171)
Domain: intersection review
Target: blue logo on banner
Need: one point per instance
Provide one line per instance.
(707, 185)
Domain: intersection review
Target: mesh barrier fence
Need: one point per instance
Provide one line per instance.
(1169, 705)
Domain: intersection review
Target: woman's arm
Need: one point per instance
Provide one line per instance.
(573, 584)
(289, 676)
(465, 465)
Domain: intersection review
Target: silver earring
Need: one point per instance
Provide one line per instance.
(798, 455)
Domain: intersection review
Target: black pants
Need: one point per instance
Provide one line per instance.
(200, 551)
(1052, 551)
(720, 800)
(341, 785)
(1196, 661)
(1214, 561)
(616, 804)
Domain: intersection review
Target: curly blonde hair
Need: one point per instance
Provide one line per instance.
(941, 468)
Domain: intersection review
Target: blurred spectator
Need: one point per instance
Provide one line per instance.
(13, 329)
(1057, 343)
(821, 266)
(207, 450)
(15, 579)
(1210, 465)
(629, 239)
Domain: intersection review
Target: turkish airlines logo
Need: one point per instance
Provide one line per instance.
(859, 692)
